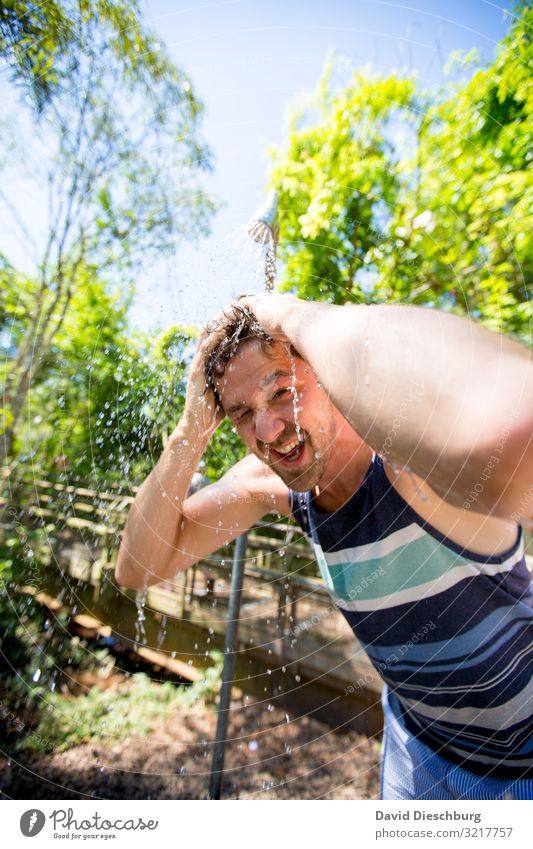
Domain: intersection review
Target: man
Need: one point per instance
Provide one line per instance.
(401, 440)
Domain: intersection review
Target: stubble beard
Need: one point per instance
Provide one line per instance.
(306, 478)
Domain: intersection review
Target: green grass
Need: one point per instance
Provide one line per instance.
(114, 714)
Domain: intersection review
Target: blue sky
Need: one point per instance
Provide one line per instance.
(249, 60)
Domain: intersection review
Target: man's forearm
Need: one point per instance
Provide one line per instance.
(149, 550)
(427, 389)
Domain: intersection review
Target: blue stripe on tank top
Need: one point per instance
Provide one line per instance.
(449, 630)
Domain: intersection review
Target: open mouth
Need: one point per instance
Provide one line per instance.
(291, 453)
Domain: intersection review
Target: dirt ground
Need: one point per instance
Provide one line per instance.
(269, 755)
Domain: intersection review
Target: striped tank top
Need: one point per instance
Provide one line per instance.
(450, 631)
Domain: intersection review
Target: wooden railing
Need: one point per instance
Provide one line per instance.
(287, 618)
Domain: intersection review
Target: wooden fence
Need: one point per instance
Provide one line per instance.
(294, 645)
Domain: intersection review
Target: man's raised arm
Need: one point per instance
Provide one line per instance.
(427, 389)
(166, 530)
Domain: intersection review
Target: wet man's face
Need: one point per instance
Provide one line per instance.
(280, 411)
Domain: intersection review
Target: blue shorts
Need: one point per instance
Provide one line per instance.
(411, 770)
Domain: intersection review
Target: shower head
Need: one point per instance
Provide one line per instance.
(263, 226)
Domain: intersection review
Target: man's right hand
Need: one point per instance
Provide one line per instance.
(150, 548)
(202, 410)
(168, 530)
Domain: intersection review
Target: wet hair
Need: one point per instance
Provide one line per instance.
(239, 324)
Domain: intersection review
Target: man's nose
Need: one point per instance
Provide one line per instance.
(268, 426)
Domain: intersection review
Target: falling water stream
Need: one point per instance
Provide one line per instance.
(295, 399)
(140, 631)
(249, 264)
(249, 256)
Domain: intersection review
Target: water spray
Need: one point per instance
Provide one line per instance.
(263, 227)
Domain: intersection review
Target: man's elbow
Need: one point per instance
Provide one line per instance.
(131, 575)
(129, 579)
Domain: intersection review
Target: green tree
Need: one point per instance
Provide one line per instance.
(105, 399)
(468, 225)
(338, 182)
(39, 40)
(122, 182)
(88, 400)
(386, 195)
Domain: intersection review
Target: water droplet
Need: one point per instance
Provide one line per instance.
(140, 601)
(296, 408)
